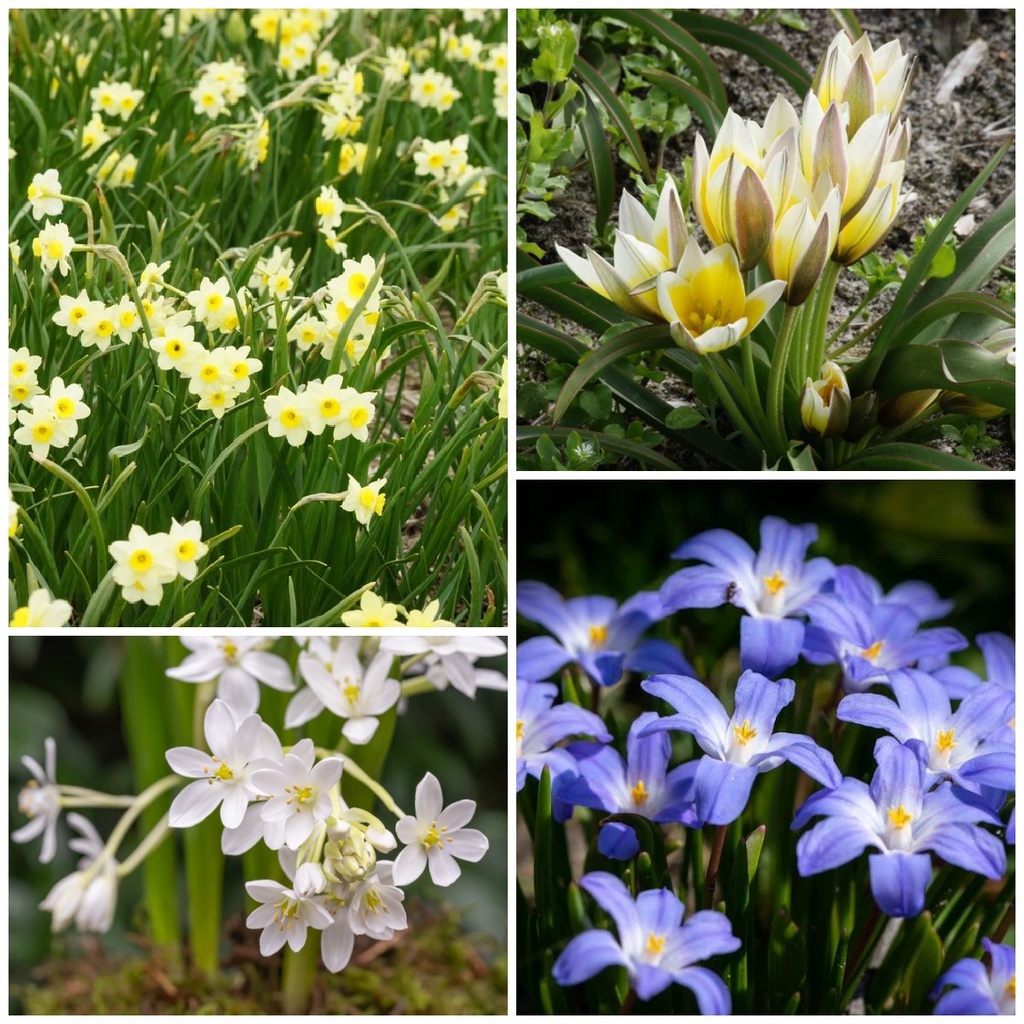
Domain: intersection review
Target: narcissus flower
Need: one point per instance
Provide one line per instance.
(53, 246)
(143, 564)
(44, 194)
(705, 300)
(435, 837)
(654, 945)
(42, 610)
(373, 611)
(825, 404)
(366, 501)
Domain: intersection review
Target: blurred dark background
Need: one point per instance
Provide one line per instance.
(67, 687)
(615, 537)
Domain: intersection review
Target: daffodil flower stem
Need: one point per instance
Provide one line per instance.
(777, 382)
(90, 234)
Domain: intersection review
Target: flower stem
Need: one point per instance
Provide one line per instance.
(777, 382)
(150, 843)
(297, 974)
(819, 322)
(726, 398)
(353, 769)
(861, 956)
(711, 878)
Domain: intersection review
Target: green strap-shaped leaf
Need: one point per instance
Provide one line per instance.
(642, 339)
(599, 159)
(718, 32)
(948, 364)
(693, 98)
(910, 457)
(913, 330)
(863, 376)
(609, 442)
(689, 50)
(616, 111)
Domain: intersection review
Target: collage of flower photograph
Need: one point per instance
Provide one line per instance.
(332, 692)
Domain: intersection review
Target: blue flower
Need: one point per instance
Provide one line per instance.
(871, 634)
(771, 586)
(961, 744)
(975, 990)
(737, 748)
(539, 726)
(594, 632)
(999, 653)
(900, 818)
(640, 784)
(653, 945)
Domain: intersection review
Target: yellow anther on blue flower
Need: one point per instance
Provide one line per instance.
(873, 651)
(945, 742)
(773, 584)
(639, 792)
(598, 635)
(655, 944)
(744, 733)
(900, 817)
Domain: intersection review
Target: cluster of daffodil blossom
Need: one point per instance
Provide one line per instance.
(286, 797)
(145, 562)
(805, 192)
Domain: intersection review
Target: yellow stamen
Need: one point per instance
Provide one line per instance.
(598, 636)
(655, 943)
(519, 729)
(1010, 988)
(900, 817)
(224, 773)
(873, 651)
(945, 740)
(744, 733)
(230, 649)
(773, 584)
(639, 792)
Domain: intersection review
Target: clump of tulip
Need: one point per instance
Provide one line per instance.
(802, 195)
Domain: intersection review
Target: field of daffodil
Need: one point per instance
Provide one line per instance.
(257, 318)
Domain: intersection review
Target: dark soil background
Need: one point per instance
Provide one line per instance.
(950, 143)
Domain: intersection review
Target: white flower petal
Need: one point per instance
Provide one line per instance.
(429, 799)
(271, 669)
(443, 867)
(359, 730)
(457, 814)
(409, 864)
(467, 844)
(194, 803)
(187, 761)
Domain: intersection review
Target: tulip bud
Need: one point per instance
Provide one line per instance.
(863, 415)
(803, 242)
(825, 405)
(966, 405)
(899, 410)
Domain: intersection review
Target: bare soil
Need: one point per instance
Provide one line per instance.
(950, 143)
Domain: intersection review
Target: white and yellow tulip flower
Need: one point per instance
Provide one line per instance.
(804, 239)
(866, 230)
(825, 404)
(705, 301)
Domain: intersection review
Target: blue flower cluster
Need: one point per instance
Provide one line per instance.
(943, 759)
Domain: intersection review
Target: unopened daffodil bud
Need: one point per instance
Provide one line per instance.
(705, 301)
(730, 198)
(825, 405)
(870, 81)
